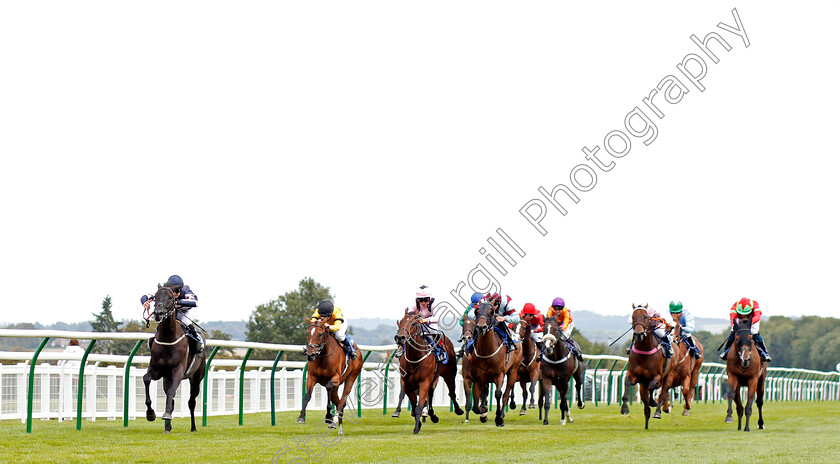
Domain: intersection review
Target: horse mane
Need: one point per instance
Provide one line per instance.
(551, 319)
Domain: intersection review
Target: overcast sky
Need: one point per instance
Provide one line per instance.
(376, 146)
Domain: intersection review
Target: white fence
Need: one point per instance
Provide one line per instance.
(56, 384)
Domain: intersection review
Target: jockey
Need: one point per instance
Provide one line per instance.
(559, 310)
(338, 326)
(505, 314)
(660, 327)
(746, 307)
(686, 320)
(185, 301)
(424, 306)
(532, 316)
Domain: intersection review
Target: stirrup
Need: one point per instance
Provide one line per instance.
(723, 355)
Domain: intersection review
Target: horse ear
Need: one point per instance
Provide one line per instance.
(159, 285)
(306, 319)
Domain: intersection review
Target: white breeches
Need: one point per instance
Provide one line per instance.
(339, 334)
(536, 336)
(754, 328)
(567, 332)
(659, 332)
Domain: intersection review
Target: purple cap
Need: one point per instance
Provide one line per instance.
(558, 302)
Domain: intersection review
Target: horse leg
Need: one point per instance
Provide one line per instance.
(348, 382)
(579, 379)
(535, 377)
(663, 398)
(688, 394)
(332, 399)
(422, 396)
(645, 393)
(759, 401)
(169, 386)
(449, 378)
(429, 399)
(399, 402)
(751, 389)
(629, 381)
(310, 384)
(195, 388)
(468, 395)
(150, 413)
(501, 400)
(545, 398)
(513, 397)
(540, 402)
(482, 409)
(730, 395)
(563, 391)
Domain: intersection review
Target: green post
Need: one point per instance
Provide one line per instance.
(273, 369)
(126, 387)
(385, 386)
(32, 384)
(81, 385)
(204, 390)
(595, 383)
(491, 396)
(303, 388)
(242, 385)
(609, 383)
(359, 383)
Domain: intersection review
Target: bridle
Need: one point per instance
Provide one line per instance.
(645, 323)
(412, 331)
(745, 345)
(317, 348)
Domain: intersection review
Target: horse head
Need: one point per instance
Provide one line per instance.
(485, 318)
(523, 329)
(551, 333)
(468, 330)
(316, 338)
(641, 322)
(743, 340)
(164, 303)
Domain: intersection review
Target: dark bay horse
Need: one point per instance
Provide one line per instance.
(420, 368)
(170, 359)
(745, 369)
(685, 373)
(646, 365)
(491, 363)
(473, 395)
(557, 367)
(328, 365)
(529, 367)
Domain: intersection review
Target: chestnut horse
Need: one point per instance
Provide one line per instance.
(328, 365)
(686, 372)
(646, 365)
(491, 362)
(420, 368)
(557, 367)
(745, 368)
(170, 359)
(529, 367)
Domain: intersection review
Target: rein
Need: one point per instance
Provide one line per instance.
(412, 334)
(320, 346)
(553, 338)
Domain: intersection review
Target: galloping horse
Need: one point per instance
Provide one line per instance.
(421, 369)
(646, 366)
(529, 367)
(491, 363)
(170, 359)
(328, 366)
(557, 367)
(685, 373)
(470, 391)
(744, 373)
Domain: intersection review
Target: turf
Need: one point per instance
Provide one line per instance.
(795, 432)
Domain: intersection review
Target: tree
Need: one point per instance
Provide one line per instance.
(224, 351)
(104, 322)
(283, 320)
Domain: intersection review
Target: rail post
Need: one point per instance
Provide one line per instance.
(242, 385)
(385, 386)
(359, 383)
(273, 370)
(204, 390)
(126, 377)
(32, 384)
(81, 385)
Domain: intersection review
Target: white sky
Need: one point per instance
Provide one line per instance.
(375, 146)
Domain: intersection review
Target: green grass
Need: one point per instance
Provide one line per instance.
(796, 432)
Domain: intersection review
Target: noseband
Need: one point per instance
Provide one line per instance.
(318, 347)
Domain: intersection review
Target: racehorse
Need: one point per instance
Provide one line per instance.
(646, 365)
(745, 368)
(420, 368)
(491, 363)
(470, 391)
(170, 359)
(529, 367)
(328, 365)
(686, 372)
(557, 367)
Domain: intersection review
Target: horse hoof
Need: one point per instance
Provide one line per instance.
(760, 427)
(522, 412)
(656, 416)
(466, 421)
(166, 416)
(545, 422)
(166, 431)
(686, 413)
(435, 419)
(581, 405)
(500, 422)
(301, 420)
(571, 421)
(395, 414)
(483, 418)
(625, 410)
(562, 421)
(331, 425)
(728, 420)
(425, 412)
(531, 406)
(459, 411)
(150, 416)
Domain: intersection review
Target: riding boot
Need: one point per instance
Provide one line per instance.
(440, 352)
(692, 347)
(630, 347)
(575, 350)
(761, 348)
(347, 345)
(541, 346)
(729, 342)
(666, 346)
(195, 335)
(149, 343)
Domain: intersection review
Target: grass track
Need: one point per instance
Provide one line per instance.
(796, 432)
